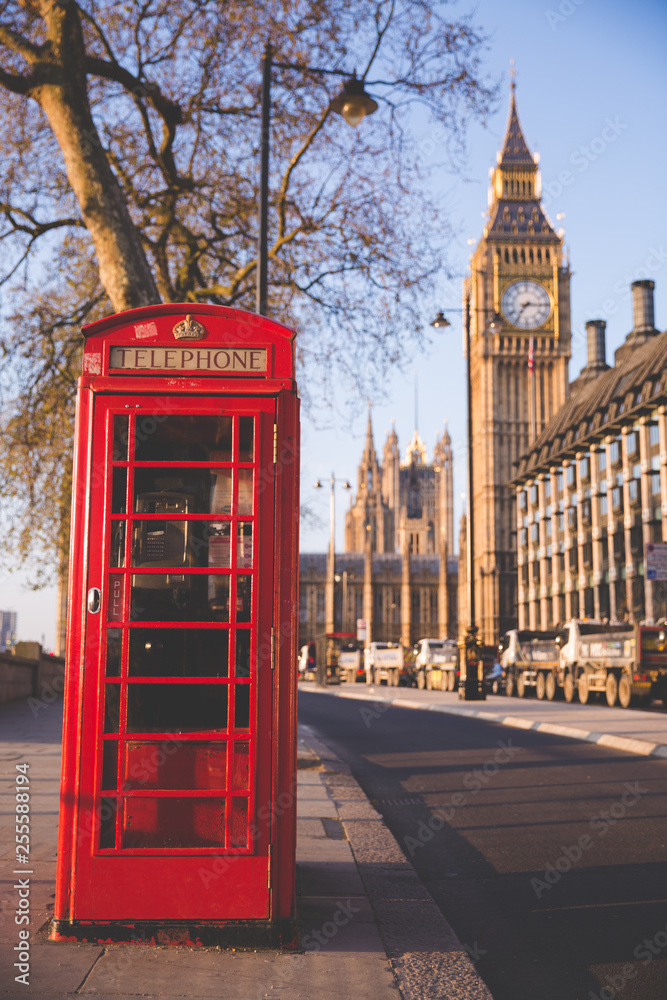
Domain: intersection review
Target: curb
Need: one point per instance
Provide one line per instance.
(426, 957)
(629, 745)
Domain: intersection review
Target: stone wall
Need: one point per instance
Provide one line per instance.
(23, 677)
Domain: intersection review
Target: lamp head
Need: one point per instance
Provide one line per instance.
(353, 103)
(496, 324)
(440, 321)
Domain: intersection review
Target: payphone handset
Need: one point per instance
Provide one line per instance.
(163, 543)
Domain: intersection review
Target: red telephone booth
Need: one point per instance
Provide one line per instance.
(177, 817)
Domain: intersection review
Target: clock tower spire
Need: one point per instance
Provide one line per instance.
(519, 373)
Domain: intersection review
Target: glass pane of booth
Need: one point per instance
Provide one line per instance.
(173, 822)
(179, 597)
(176, 708)
(181, 543)
(107, 822)
(246, 439)
(178, 652)
(181, 438)
(172, 490)
(120, 437)
(173, 765)
(110, 765)
(239, 822)
(111, 708)
(242, 652)
(114, 651)
(119, 491)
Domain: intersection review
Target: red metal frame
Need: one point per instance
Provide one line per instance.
(203, 893)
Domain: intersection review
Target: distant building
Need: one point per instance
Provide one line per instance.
(592, 489)
(398, 571)
(8, 620)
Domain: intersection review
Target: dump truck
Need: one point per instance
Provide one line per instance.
(383, 661)
(437, 664)
(626, 662)
(530, 661)
(350, 666)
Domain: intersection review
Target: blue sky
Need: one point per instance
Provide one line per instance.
(591, 81)
(591, 88)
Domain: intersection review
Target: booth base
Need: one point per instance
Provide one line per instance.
(240, 934)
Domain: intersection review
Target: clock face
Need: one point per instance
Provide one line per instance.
(526, 304)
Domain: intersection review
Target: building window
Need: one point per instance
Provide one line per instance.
(616, 498)
(569, 473)
(533, 495)
(615, 452)
(585, 468)
(653, 435)
(603, 506)
(547, 488)
(559, 483)
(602, 461)
(633, 490)
(631, 443)
(522, 500)
(320, 605)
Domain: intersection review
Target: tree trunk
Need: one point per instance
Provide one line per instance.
(61, 91)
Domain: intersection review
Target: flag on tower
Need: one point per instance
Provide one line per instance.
(531, 354)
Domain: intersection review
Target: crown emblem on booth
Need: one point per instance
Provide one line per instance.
(189, 329)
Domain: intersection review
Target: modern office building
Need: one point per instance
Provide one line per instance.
(8, 620)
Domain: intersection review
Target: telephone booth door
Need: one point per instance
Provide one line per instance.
(178, 689)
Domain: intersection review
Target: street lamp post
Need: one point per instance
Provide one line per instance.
(353, 103)
(471, 686)
(329, 604)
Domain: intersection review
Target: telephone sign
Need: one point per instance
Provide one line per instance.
(177, 818)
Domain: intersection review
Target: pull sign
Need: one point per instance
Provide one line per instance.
(94, 600)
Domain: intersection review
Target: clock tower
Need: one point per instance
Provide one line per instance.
(519, 373)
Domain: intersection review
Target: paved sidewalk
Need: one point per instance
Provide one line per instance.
(368, 928)
(633, 730)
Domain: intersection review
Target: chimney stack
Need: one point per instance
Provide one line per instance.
(642, 308)
(643, 319)
(597, 351)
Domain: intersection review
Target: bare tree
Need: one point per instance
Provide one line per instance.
(130, 137)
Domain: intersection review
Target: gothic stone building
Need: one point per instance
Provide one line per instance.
(398, 571)
(592, 489)
(519, 270)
